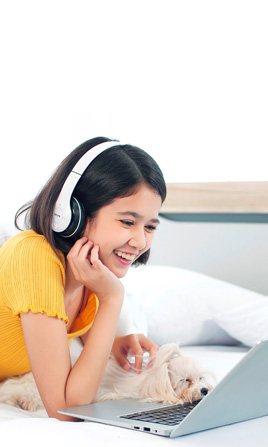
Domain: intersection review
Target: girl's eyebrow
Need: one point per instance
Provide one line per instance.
(137, 216)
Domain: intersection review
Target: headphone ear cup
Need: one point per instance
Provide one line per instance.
(78, 220)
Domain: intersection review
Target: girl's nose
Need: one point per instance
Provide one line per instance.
(138, 240)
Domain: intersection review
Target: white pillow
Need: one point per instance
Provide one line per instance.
(181, 305)
(132, 318)
(247, 323)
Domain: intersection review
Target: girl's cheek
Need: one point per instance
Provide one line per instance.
(149, 241)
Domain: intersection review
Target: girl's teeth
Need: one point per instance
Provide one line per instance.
(125, 256)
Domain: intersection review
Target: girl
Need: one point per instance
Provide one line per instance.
(60, 279)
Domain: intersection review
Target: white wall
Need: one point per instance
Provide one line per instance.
(185, 80)
(237, 253)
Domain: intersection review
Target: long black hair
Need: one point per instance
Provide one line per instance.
(116, 172)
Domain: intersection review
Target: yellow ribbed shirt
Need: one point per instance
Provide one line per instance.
(32, 277)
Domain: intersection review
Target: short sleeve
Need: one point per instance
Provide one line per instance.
(34, 277)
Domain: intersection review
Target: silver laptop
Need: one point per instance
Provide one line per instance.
(241, 395)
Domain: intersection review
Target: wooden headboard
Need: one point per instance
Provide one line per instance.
(217, 202)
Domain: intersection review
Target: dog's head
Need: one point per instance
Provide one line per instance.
(174, 378)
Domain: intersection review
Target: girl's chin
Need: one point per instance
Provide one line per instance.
(120, 273)
(119, 267)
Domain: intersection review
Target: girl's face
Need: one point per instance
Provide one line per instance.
(124, 229)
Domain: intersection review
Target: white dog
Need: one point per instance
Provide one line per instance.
(169, 378)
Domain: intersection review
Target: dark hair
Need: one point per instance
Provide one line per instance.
(116, 172)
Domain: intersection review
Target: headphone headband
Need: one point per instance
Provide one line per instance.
(62, 215)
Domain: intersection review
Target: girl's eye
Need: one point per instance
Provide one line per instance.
(127, 222)
(151, 228)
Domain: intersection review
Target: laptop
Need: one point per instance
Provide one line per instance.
(241, 395)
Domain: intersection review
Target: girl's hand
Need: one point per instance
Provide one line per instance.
(137, 343)
(88, 269)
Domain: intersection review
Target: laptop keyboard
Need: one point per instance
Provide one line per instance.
(168, 416)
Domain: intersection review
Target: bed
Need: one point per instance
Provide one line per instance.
(26, 429)
(212, 319)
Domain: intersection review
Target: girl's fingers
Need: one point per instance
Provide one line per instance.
(150, 347)
(137, 350)
(73, 254)
(85, 250)
(80, 249)
(77, 246)
(94, 256)
(148, 344)
(78, 256)
(121, 359)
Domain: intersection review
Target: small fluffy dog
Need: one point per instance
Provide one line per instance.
(169, 378)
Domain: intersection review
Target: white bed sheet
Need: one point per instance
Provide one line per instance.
(24, 428)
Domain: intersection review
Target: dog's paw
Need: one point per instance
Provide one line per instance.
(27, 404)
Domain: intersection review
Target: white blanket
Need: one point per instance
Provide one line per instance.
(22, 428)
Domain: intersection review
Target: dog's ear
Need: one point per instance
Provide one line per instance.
(157, 386)
(165, 354)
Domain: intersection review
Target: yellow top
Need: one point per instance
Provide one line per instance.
(32, 277)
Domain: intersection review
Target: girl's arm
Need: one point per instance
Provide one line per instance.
(59, 384)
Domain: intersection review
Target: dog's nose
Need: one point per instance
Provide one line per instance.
(204, 391)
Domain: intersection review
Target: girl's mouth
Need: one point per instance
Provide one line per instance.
(124, 258)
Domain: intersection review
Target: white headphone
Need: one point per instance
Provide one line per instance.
(69, 216)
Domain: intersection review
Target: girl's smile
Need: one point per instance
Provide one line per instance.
(124, 229)
(125, 258)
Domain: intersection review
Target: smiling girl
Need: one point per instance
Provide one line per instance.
(57, 284)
